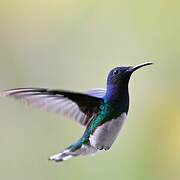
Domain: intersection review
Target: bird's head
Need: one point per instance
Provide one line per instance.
(121, 75)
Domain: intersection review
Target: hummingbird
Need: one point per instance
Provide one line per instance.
(101, 111)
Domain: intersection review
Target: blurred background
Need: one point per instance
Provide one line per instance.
(72, 44)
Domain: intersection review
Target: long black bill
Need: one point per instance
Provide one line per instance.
(134, 68)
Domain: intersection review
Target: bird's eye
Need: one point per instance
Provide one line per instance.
(115, 72)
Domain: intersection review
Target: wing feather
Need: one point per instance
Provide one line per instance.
(76, 105)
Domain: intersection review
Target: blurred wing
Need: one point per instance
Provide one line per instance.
(76, 105)
(97, 92)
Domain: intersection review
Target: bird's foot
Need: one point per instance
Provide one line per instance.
(101, 147)
(106, 148)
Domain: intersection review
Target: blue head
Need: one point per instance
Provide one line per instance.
(117, 86)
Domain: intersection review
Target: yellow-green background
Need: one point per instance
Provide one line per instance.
(72, 44)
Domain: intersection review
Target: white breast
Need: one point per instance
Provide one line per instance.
(105, 135)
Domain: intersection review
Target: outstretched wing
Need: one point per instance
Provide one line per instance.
(76, 105)
(97, 92)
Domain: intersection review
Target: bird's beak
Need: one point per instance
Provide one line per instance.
(134, 68)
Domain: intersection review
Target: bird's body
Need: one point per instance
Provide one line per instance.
(105, 135)
(101, 111)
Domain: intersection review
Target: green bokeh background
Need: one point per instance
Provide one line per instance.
(72, 44)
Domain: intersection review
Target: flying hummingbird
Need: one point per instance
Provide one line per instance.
(101, 111)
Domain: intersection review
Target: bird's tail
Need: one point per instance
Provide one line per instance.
(76, 149)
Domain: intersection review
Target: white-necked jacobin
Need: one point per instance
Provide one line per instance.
(101, 111)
